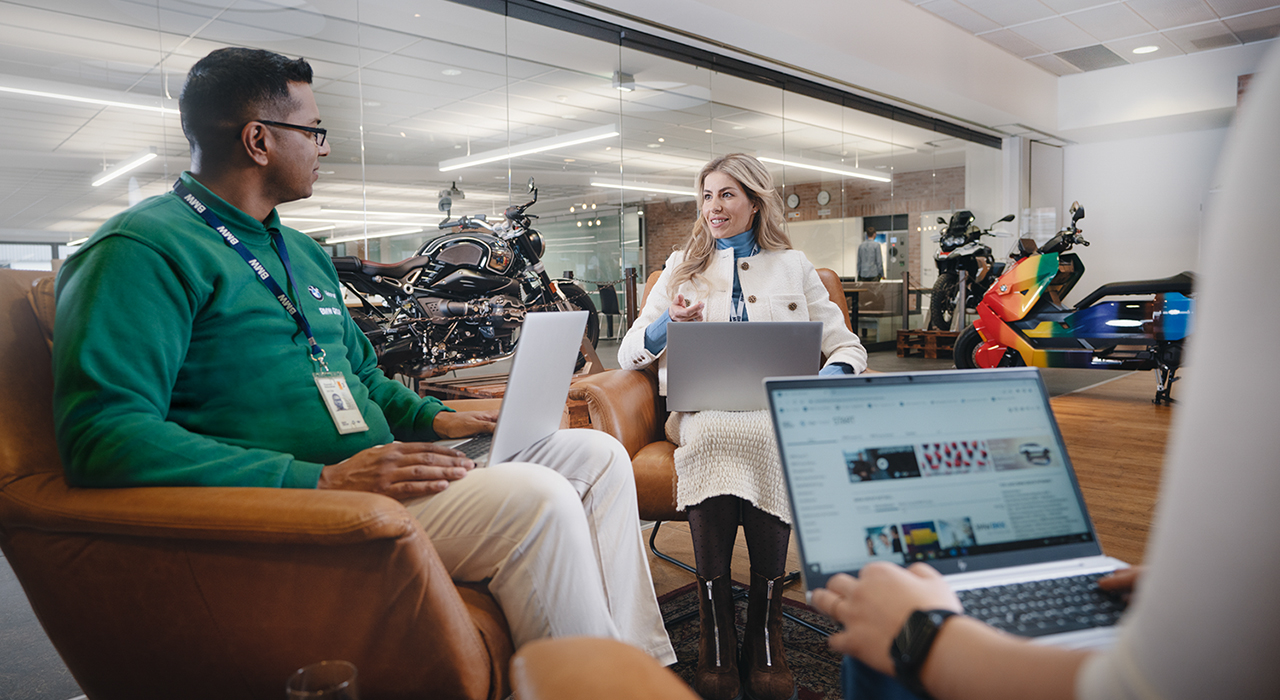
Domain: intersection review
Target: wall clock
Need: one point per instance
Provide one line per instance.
(793, 200)
(823, 198)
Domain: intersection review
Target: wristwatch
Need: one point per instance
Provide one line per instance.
(912, 645)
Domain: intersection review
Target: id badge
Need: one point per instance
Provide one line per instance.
(341, 404)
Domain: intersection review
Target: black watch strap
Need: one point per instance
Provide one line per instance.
(911, 647)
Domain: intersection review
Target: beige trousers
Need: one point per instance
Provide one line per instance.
(556, 533)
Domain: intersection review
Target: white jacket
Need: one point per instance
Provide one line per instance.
(777, 286)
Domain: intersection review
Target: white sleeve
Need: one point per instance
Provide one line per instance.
(631, 352)
(1206, 617)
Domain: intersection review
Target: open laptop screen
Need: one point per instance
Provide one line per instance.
(963, 470)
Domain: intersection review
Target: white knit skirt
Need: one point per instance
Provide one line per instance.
(728, 453)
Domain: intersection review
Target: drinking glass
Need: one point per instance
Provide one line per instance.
(326, 680)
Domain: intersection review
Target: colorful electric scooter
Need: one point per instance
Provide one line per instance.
(1022, 321)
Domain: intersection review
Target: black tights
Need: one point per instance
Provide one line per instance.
(714, 526)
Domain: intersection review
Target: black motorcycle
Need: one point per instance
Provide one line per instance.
(962, 249)
(461, 300)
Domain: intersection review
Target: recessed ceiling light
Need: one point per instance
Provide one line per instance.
(451, 71)
(739, 128)
(707, 131)
(655, 145)
(572, 209)
(608, 148)
(661, 140)
(403, 135)
(570, 160)
(416, 14)
(1146, 49)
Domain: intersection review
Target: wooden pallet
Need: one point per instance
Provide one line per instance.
(933, 345)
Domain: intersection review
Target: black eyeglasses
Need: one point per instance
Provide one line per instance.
(316, 132)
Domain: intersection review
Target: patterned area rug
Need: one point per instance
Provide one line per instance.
(817, 668)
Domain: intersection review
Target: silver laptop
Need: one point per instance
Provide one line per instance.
(964, 470)
(720, 366)
(537, 387)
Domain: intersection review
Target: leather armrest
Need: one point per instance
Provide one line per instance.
(264, 515)
(623, 403)
(553, 669)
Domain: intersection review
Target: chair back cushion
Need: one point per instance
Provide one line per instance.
(27, 445)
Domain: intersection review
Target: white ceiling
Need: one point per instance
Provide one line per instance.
(406, 86)
(1071, 36)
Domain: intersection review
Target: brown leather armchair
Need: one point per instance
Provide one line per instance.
(626, 404)
(221, 592)
(552, 669)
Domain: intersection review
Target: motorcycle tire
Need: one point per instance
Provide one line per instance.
(580, 299)
(942, 302)
(967, 343)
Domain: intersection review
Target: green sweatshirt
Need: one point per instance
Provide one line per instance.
(174, 365)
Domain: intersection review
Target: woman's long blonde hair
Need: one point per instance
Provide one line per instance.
(757, 184)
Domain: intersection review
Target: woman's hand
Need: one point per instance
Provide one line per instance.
(874, 606)
(459, 424)
(681, 311)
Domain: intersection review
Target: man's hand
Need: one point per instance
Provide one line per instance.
(1123, 582)
(680, 310)
(401, 470)
(874, 606)
(464, 423)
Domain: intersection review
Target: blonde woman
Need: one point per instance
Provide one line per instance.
(737, 265)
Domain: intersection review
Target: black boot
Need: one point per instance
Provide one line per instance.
(717, 675)
(765, 674)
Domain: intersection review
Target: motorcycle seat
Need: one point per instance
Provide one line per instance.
(351, 263)
(1180, 283)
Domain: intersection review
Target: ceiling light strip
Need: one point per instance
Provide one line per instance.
(858, 173)
(642, 187)
(124, 166)
(566, 140)
(87, 100)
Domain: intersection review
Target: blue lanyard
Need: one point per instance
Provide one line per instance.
(317, 352)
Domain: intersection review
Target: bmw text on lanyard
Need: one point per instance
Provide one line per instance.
(317, 352)
(334, 391)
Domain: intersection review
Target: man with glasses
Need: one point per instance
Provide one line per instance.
(199, 342)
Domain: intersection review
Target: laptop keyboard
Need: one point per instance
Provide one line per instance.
(1038, 608)
(477, 447)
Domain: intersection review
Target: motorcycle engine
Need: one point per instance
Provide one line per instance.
(500, 313)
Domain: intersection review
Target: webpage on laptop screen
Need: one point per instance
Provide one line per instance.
(917, 472)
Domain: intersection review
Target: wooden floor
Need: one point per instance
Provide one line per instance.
(1115, 437)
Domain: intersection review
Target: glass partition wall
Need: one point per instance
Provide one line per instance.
(436, 100)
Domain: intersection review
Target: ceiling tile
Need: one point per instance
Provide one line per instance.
(1055, 34)
(1227, 8)
(1110, 22)
(1013, 43)
(1125, 47)
(959, 15)
(1166, 14)
(1054, 65)
(1258, 26)
(1094, 57)
(1065, 6)
(1007, 12)
(1202, 37)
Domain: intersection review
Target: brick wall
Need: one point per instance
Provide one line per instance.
(667, 223)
